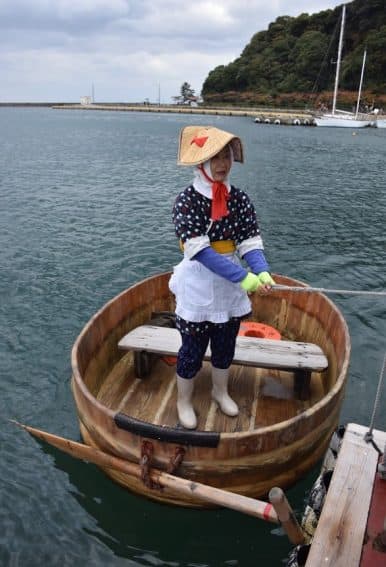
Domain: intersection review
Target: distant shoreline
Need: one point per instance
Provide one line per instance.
(28, 103)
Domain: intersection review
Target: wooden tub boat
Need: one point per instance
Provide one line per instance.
(276, 438)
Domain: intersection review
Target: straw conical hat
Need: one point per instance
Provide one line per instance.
(200, 143)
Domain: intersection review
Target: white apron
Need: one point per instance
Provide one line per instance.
(202, 295)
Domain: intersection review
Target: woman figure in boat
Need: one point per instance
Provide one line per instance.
(216, 225)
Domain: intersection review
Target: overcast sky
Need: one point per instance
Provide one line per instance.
(130, 50)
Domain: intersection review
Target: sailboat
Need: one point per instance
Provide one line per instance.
(341, 118)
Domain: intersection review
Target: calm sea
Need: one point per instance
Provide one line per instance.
(85, 211)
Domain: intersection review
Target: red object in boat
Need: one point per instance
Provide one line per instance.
(170, 360)
(259, 331)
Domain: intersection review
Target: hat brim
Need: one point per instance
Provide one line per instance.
(198, 144)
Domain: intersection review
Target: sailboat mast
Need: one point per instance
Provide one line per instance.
(360, 83)
(339, 59)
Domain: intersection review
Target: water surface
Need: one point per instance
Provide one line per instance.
(85, 211)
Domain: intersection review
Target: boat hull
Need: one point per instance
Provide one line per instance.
(380, 123)
(341, 122)
(248, 460)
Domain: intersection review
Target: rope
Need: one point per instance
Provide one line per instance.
(377, 397)
(278, 287)
(176, 460)
(145, 463)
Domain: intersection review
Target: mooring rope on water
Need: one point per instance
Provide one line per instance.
(369, 434)
(279, 287)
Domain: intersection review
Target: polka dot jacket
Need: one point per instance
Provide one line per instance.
(191, 217)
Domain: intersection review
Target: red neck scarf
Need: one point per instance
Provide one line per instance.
(220, 197)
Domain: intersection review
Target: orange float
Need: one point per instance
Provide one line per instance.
(170, 360)
(259, 331)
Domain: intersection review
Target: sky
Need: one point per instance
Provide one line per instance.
(126, 50)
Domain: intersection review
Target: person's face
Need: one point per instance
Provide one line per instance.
(220, 164)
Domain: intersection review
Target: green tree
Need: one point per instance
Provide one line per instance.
(375, 70)
(299, 55)
(299, 25)
(187, 93)
(308, 55)
(221, 79)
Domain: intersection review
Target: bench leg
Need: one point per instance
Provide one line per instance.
(143, 362)
(302, 384)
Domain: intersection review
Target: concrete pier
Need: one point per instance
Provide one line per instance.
(259, 115)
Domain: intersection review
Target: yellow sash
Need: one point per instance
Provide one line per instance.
(220, 246)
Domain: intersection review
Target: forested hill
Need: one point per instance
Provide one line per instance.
(298, 56)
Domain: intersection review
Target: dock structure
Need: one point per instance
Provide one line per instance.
(343, 530)
(260, 116)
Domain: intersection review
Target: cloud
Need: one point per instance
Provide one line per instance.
(129, 50)
(191, 19)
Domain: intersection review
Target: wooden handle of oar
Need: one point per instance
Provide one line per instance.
(224, 498)
(286, 516)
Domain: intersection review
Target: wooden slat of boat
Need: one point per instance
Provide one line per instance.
(264, 397)
(128, 394)
(167, 401)
(341, 528)
(202, 402)
(166, 414)
(249, 350)
(211, 417)
(244, 387)
(119, 383)
(254, 474)
(145, 401)
(257, 480)
(274, 400)
(250, 444)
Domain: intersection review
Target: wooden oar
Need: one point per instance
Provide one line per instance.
(244, 504)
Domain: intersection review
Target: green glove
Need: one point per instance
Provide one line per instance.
(265, 279)
(250, 283)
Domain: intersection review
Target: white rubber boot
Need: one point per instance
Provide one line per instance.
(220, 391)
(186, 415)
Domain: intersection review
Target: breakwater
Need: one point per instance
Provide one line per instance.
(259, 115)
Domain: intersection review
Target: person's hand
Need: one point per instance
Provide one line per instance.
(250, 283)
(265, 281)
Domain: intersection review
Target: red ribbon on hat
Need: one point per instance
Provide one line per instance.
(220, 197)
(199, 141)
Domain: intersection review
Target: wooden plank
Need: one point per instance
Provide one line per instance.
(118, 382)
(147, 399)
(250, 351)
(339, 535)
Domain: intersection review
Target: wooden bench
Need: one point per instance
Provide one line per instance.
(300, 358)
